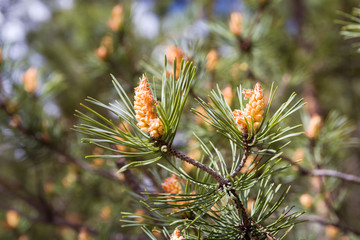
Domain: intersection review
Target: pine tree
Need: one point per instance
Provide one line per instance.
(193, 146)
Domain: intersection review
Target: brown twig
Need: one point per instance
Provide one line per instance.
(57, 221)
(131, 179)
(244, 216)
(192, 161)
(322, 221)
(68, 158)
(323, 172)
(243, 158)
(333, 173)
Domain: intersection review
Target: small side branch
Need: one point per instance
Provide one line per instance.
(333, 173)
(65, 155)
(243, 158)
(325, 222)
(324, 172)
(56, 220)
(192, 161)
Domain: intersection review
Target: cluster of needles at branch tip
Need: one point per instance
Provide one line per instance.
(145, 109)
(253, 111)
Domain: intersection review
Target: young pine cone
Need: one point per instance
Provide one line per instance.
(173, 52)
(253, 110)
(172, 185)
(236, 23)
(176, 235)
(145, 109)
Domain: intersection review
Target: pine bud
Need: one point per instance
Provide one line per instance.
(140, 212)
(306, 200)
(105, 213)
(12, 218)
(116, 19)
(314, 127)
(101, 52)
(30, 80)
(145, 109)
(228, 94)
(106, 47)
(211, 60)
(176, 235)
(332, 232)
(250, 204)
(84, 235)
(236, 23)
(172, 185)
(253, 110)
(173, 52)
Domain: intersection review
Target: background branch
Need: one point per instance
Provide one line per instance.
(322, 221)
(323, 172)
(129, 180)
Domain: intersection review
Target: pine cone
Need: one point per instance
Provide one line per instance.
(176, 235)
(145, 109)
(172, 185)
(253, 110)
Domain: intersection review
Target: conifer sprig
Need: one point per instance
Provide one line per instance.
(213, 201)
(219, 115)
(351, 26)
(103, 131)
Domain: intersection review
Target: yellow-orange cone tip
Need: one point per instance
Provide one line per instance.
(145, 109)
(253, 110)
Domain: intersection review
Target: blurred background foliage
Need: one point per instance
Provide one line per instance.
(56, 53)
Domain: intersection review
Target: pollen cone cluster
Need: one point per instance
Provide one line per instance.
(106, 47)
(253, 110)
(116, 19)
(236, 23)
(176, 235)
(172, 185)
(173, 52)
(145, 109)
(30, 80)
(212, 59)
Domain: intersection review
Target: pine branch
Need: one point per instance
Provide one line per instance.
(322, 221)
(324, 172)
(57, 221)
(244, 157)
(333, 173)
(69, 158)
(242, 212)
(131, 179)
(192, 161)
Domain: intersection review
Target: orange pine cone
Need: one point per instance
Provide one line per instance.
(315, 125)
(236, 23)
(212, 59)
(30, 80)
(145, 109)
(253, 110)
(172, 185)
(176, 235)
(173, 52)
(116, 19)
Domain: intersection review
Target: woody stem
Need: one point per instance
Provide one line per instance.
(242, 212)
(243, 158)
(197, 164)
